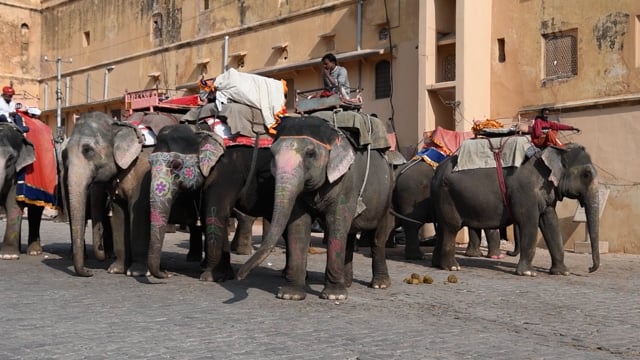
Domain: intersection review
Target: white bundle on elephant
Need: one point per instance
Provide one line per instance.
(264, 93)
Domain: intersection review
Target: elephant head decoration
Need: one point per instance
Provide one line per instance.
(473, 198)
(172, 172)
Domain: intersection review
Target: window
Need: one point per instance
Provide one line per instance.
(206, 4)
(86, 39)
(383, 79)
(501, 55)
(560, 55)
(383, 34)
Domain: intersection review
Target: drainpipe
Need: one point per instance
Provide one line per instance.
(88, 87)
(359, 39)
(67, 88)
(359, 26)
(46, 96)
(225, 54)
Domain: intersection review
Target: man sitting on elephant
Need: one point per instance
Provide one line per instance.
(545, 132)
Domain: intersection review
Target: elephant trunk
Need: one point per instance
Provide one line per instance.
(162, 195)
(289, 183)
(591, 205)
(77, 191)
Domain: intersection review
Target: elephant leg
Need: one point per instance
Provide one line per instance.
(298, 237)
(195, 243)
(242, 237)
(516, 241)
(553, 238)
(34, 218)
(445, 250)
(337, 226)
(118, 227)
(412, 242)
(348, 259)
(528, 237)
(493, 243)
(218, 256)
(381, 279)
(10, 248)
(473, 247)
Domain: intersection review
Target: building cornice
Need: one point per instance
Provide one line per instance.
(207, 38)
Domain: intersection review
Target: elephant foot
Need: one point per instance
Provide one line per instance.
(6, 256)
(499, 255)
(525, 271)
(291, 293)
(138, 270)
(334, 292)
(448, 265)
(381, 282)
(243, 250)
(34, 249)
(473, 253)
(559, 270)
(218, 275)
(116, 268)
(413, 254)
(194, 256)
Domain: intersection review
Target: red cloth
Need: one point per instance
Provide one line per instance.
(447, 141)
(263, 142)
(191, 100)
(41, 177)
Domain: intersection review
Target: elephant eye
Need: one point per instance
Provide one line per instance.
(176, 165)
(87, 151)
(310, 153)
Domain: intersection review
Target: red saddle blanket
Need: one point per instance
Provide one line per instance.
(37, 182)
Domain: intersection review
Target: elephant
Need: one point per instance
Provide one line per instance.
(413, 207)
(473, 197)
(16, 153)
(319, 173)
(103, 151)
(236, 177)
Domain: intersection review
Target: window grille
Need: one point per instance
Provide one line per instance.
(560, 56)
(383, 79)
(449, 68)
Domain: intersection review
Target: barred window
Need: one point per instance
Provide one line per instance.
(560, 55)
(383, 79)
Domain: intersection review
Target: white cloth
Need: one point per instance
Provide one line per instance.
(261, 92)
(6, 108)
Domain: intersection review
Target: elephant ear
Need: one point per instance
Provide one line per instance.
(26, 156)
(127, 144)
(341, 157)
(211, 148)
(552, 158)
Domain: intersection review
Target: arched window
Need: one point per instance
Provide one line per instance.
(383, 79)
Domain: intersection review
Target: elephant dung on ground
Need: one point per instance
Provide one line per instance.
(318, 172)
(473, 197)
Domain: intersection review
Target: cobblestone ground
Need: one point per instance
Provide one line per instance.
(46, 312)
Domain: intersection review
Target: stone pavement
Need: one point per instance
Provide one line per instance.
(46, 312)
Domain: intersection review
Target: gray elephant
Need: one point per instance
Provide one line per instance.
(102, 150)
(473, 197)
(318, 172)
(16, 153)
(237, 177)
(413, 206)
